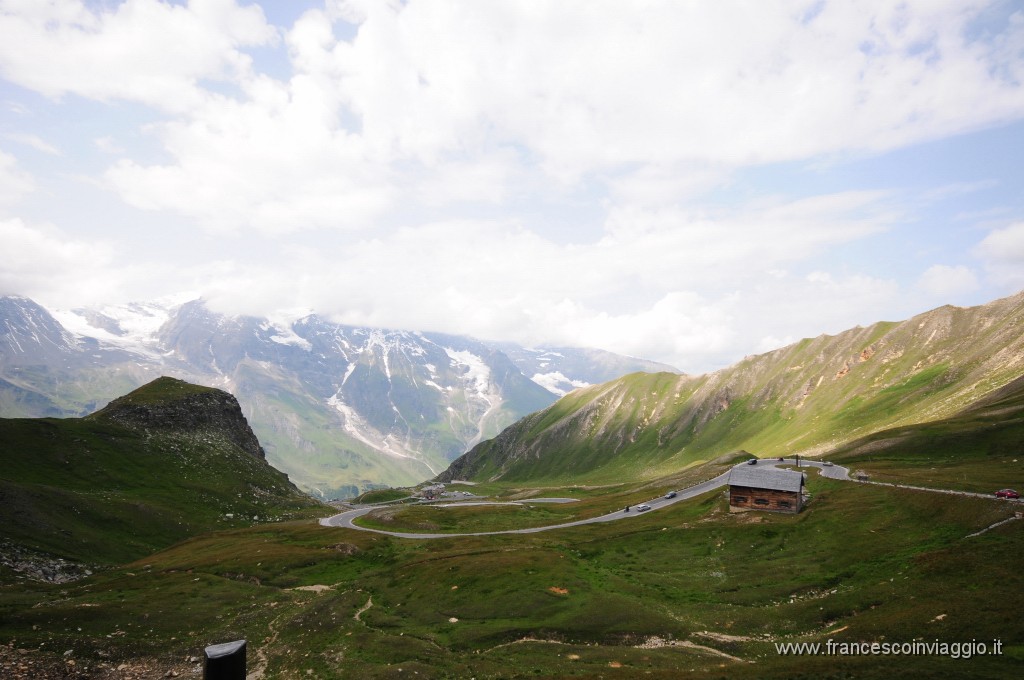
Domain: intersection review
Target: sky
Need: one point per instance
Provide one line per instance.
(687, 182)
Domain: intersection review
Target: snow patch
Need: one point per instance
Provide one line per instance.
(285, 335)
(478, 374)
(136, 324)
(557, 383)
(359, 429)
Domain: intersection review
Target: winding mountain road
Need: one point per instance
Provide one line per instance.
(345, 519)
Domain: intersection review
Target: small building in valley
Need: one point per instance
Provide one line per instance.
(432, 492)
(765, 488)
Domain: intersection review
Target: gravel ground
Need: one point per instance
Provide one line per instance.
(27, 664)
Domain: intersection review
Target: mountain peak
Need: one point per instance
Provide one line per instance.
(26, 328)
(172, 404)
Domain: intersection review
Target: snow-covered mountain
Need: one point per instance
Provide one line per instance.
(339, 408)
(561, 370)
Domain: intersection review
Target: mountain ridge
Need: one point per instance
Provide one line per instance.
(804, 398)
(341, 408)
(165, 462)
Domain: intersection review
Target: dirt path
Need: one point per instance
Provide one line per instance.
(369, 603)
(660, 643)
(993, 526)
(260, 667)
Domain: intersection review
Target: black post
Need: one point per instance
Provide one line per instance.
(225, 661)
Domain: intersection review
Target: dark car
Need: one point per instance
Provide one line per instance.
(752, 461)
(670, 494)
(1007, 493)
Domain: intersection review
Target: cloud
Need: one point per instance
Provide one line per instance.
(446, 103)
(543, 172)
(730, 248)
(668, 285)
(35, 142)
(106, 144)
(46, 264)
(1002, 253)
(585, 86)
(14, 182)
(945, 281)
(273, 163)
(143, 50)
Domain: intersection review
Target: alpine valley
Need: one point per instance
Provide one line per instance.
(909, 567)
(340, 409)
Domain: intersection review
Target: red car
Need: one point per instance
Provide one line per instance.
(1007, 493)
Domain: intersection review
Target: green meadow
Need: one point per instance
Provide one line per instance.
(689, 589)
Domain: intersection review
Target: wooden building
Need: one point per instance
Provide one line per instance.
(753, 487)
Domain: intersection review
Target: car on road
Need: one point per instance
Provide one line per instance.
(643, 508)
(1007, 493)
(827, 463)
(670, 494)
(752, 461)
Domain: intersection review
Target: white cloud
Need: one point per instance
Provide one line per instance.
(44, 263)
(944, 281)
(541, 172)
(448, 103)
(35, 142)
(14, 182)
(108, 145)
(667, 285)
(276, 162)
(586, 86)
(142, 50)
(695, 249)
(1002, 253)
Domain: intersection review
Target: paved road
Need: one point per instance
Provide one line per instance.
(344, 519)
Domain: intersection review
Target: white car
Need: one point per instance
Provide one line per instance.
(643, 507)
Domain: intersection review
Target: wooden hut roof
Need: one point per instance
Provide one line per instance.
(766, 477)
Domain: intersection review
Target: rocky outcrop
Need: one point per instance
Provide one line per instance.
(167, 404)
(36, 566)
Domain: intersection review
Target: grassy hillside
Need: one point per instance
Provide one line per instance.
(691, 590)
(102, 492)
(980, 449)
(804, 399)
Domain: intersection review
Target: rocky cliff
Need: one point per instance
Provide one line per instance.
(169, 404)
(163, 463)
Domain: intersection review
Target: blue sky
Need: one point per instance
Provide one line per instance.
(689, 183)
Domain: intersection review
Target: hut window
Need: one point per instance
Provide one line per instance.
(760, 501)
(739, 499)
(785, 504)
